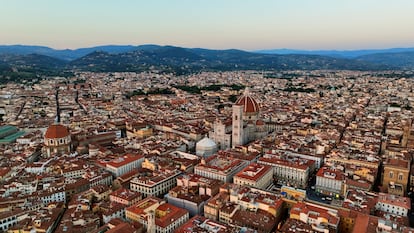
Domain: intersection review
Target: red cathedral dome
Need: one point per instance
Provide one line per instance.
(250, 105)
(56, 131)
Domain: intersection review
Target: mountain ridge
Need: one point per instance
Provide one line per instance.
(69, 54)
(181, 60)
(72, 54)
(335, 53)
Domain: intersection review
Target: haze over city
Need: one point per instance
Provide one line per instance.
(216, 24)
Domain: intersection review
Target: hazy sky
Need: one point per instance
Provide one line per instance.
(242, 24)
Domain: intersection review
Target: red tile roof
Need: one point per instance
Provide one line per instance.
(250, 105)
(403, 202)
(254, 171)
(123, 227)
(315, 212)
(361, 224)
(203, 224)
(56, 131)
(173, 213)
(142, 205)
(126, 194)
(330, 173)
(121, 161)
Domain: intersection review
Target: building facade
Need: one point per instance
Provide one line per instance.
(219, 168)
(392, 204)
(124, 164)
(155, 185)
(255, 175)
(396, 176)
(289, 170)
(330, 182)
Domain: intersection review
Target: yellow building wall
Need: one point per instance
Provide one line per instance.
(148, 165)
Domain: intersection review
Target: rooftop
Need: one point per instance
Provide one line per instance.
(126, 194)
(221, 163)
(254, 171)
(122, 161)
(166, 214)
(203, 224)
(314, 211)
(56, 131)
(141, 207)
(390, 199)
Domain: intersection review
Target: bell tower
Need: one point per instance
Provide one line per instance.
(237, 136)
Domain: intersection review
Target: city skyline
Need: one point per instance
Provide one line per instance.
(250, 25)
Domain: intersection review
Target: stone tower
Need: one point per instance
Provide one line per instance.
(151, 222)
(237, 136)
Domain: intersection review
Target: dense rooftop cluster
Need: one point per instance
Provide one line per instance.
(307, 151)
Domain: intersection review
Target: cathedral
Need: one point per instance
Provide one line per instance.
(57, 140)
(245, 126)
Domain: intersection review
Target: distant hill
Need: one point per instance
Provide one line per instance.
(68, 54)
(4, 67)
(27, 67)
(35, 61)
(16, 61)
(179, 60)
(403, 60)
(336, 53)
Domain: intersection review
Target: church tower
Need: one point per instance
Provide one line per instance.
(237, 137)
(245, 115)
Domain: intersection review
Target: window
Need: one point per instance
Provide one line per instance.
(400, 176)
(391, 175)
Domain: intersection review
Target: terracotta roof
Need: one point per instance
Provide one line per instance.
(260, 122)
(403, 202)
(361, 224)
(170, 214)
(123, 227)
(56, 131)
(250, 105)
(126, 194)
(314, 211)
(126, 159)
(140, 207)
(203, 224)
(254, 172)
(329, 173)
(261, 220)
